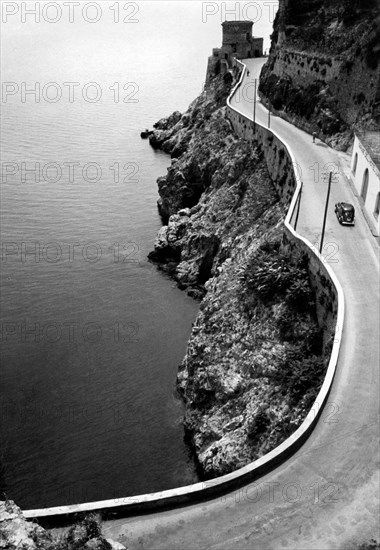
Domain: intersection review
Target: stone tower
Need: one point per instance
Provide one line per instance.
(237, 42)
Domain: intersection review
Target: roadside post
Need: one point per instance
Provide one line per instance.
(254, 110)
(325, 215)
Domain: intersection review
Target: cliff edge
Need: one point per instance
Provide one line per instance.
(16, 533)
(254, 361)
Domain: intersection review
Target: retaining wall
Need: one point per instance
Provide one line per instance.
(285, 172)
(351, 80)
(306, 66)
(277, 158)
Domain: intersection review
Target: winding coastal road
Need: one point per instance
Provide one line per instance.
(326, 496)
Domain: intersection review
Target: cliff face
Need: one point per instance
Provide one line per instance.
(215, 191)
(253, 364)
(323, 68)
(16, 533)
(253, 361)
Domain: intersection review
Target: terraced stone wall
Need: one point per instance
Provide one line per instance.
(306, 66)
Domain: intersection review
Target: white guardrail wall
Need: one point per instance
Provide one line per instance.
(207, 489)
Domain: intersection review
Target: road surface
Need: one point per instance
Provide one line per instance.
(326, 496)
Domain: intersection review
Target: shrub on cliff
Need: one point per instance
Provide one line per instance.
(84, 534)
(299, 295)
(280, 279)
(258, 424)
(300, 374)
(271, 273)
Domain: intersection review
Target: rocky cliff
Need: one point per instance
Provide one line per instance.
(16, 533)
(323, 69)
(254, 360)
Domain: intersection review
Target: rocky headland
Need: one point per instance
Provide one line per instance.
(256, 356)
(17, 533)
(323, 69)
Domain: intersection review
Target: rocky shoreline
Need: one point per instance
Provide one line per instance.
(255, 357)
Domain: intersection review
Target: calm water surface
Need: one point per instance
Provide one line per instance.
(92, 333)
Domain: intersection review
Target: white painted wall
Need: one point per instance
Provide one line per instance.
(365, 162)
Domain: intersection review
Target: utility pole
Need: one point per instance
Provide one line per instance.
(324, 217)
(254, 110)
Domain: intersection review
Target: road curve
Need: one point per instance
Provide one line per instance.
(326, 496)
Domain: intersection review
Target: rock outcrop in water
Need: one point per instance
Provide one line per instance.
(323, 69)
(254, 360)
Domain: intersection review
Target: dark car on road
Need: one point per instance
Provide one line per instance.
(345, 213)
